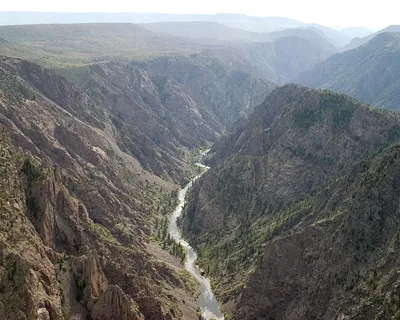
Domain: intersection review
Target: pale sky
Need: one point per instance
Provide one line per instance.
(335, 13)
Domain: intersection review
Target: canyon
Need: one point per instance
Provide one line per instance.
(107, 213)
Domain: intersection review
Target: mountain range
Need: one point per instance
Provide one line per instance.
(237, 21)
(63, 47)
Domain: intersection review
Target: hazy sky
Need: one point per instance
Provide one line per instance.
(336, 13)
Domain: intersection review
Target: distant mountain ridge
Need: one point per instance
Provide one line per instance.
(218, 31)
(369, 73)
(358, 41)
(77, 44)
(279, 60)
(62, 46)
(239, 21)
(357, 32)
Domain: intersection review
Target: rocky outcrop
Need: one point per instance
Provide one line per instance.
(88, 270)
(27, 277)
(114, 304)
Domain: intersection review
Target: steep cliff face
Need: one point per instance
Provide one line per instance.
(77, 210)
(214, 84)
(114, 131)
(341, 263)
(27, 276)
(155, 105)
(62, 264)
(287, 190)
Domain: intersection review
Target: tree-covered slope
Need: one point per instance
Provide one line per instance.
(369, 73)
(292, 167)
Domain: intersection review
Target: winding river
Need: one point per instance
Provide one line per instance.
(209, 305)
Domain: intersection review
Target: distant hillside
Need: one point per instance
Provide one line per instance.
(238, 21)
(205, 30)
(70, 48)
(67, 44)
(218, 31)
(279, 61)
(337, 38)
(370, 73)
(359, 41)
(315, 36)
(355, 32)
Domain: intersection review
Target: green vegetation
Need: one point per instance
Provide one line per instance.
(305, 118)
(340, 106)
(373, 178)
(233, 256)
(104, 232)
(332, 106)
(32, 171)
(197, 156)
(164, 238)
(63, 47)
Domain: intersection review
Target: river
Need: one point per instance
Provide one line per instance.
(209, 305)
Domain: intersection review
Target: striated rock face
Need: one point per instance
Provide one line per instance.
(27, 275)
(214, 84)
(114, 304)
(155, 117)
(88, 269)
(296, 218)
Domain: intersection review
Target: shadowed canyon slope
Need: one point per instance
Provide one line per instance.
(313, 232)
